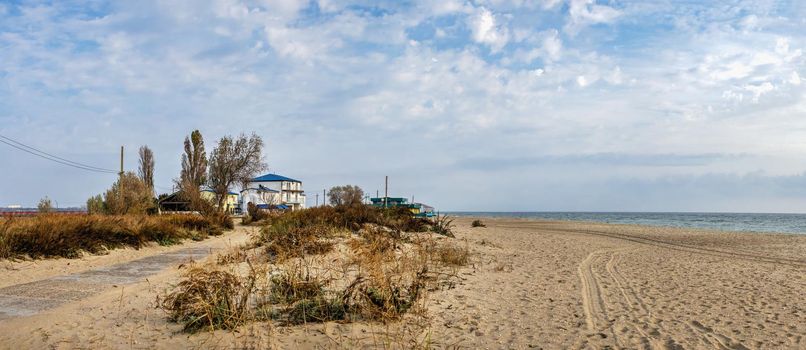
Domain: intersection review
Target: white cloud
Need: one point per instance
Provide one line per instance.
(587, 12)
(759, 89)
(486, 31)
(582, 81)
(794, 79)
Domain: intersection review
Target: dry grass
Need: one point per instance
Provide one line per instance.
(477, 223)
(210, 298)
(452, 254)
(336, 264)
(68, 236)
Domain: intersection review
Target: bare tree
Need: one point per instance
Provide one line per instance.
(146, 168)
(345, 195)
(194, 161)
(234, 161)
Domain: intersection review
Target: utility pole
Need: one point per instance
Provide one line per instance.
(120, 178)
(324, 197)
(385, 191)
(317, 199)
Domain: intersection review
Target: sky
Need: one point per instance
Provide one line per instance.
(488, 105)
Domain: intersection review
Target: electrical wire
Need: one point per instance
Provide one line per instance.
(34, 151)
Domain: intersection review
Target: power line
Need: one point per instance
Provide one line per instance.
(54, 156)
(31, 150)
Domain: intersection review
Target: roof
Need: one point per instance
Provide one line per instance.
(274, 177)
(261, 188)
(268, 206)
(210, 190)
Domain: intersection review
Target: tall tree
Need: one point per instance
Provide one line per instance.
(146, 168)
(234, 161)
(194, 161)
(345, 195)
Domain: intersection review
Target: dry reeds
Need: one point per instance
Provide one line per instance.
(68, 236)
(210, 298)
(382, 272)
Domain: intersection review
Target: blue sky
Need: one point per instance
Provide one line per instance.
(467, 105)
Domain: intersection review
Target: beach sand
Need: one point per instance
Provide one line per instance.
(531, 284)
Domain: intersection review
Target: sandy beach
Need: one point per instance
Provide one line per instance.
(531, 284)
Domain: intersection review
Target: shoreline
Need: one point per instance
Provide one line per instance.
(535, 217)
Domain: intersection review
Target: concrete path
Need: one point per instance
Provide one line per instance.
(31, 298)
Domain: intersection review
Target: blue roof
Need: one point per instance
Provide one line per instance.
(274, 177)
(210, 190)
(261, 188)
(267, 206)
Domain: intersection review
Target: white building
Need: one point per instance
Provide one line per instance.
(272, 190)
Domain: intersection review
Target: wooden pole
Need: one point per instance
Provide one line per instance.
(120, 176)
(385, 191)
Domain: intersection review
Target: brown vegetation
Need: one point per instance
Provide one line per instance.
(343, 263)
(68, 236)
(477, 223)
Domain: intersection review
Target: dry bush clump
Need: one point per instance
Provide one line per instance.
(285, 239)
(210, 298)
(317, 272)
(68, 236)
(289, 287)
(477, 223)
(451, 254)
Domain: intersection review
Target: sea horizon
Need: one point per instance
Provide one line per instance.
(723, 221)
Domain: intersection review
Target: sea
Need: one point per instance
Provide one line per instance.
(747, 222)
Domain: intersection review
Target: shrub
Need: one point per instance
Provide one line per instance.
(209, 298)
(450, 254)
(286, 238)
(442, 225)
(290, 287)
(317, 309)
(44, 205)
(477, 223)
(254, 214)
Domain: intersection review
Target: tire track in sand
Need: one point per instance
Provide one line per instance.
(637, 315)
(640, 315)
(592, 301)
(798, 263)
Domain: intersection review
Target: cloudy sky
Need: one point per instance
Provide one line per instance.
(468, 105)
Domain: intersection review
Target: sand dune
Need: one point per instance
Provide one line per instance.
(532, 284)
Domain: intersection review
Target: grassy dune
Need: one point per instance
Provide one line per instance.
(46, 236)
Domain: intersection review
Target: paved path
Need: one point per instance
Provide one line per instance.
(31, 298)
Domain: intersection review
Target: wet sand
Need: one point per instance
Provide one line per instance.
(532, 284)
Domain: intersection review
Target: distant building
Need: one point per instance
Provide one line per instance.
(418, 209)
(175, 202)
(230, 203)
(272, 191)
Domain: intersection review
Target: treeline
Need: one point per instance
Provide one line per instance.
(233, 160)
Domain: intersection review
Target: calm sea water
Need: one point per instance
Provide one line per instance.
(787, 223)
